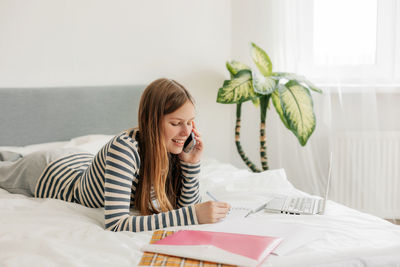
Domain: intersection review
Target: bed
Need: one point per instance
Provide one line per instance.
(48, 232)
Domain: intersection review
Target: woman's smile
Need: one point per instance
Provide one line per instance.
(179, 142)
(177, 127)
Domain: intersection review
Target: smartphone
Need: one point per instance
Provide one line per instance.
(189, 143)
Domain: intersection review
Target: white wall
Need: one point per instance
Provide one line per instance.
(98, 42)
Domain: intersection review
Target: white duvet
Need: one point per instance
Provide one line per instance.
(48, 232)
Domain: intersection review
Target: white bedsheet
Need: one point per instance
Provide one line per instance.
(48, 232)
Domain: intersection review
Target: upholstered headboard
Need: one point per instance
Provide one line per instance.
(39, 115)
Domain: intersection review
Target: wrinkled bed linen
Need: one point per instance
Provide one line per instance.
(48, 232)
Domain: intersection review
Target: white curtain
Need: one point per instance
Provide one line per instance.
(359, 124)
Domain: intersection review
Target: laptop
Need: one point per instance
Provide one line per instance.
(301, 205)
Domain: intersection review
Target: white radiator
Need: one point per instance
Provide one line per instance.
(366, 172)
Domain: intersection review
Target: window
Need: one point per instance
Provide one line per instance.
(341, 38)
(350, 41)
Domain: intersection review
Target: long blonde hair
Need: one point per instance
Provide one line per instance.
(158, 169)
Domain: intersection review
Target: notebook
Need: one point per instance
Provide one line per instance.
(301, 205)
(156, 259)
(228, 248)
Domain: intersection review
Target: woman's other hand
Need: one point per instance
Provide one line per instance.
(194, 155)
(211, 211)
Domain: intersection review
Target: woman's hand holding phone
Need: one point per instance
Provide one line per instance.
(189, 143)
(194, 155)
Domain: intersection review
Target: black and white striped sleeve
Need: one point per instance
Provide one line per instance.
(190, 185)
(121, 177)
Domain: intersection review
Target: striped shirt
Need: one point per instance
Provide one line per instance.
(109, 179)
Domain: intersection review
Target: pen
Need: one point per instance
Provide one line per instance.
(210, 195)
(256, 210)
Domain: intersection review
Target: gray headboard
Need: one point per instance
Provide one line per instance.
(39, 115)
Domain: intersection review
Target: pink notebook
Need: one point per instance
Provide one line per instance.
(229, 248)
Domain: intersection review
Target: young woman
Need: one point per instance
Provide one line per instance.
(143, 168)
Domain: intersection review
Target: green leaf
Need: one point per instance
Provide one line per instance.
(297, 108)
(237, 90)
(263, 85)
(235, 66)
(300, 79)
(256, 101)
(276, 100)
(261, 59)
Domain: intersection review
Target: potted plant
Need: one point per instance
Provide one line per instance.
(290, 94)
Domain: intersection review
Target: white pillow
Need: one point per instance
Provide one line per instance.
(89, 143)
(32, 148)
(221, 178)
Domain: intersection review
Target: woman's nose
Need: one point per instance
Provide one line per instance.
(186, 130)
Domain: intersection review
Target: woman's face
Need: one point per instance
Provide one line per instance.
(177, 126)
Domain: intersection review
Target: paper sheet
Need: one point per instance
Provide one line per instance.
(237, 213)
(293, 235)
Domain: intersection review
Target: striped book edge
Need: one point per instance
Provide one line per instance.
(155, 259)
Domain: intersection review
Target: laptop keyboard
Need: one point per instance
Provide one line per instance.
(307, 205)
